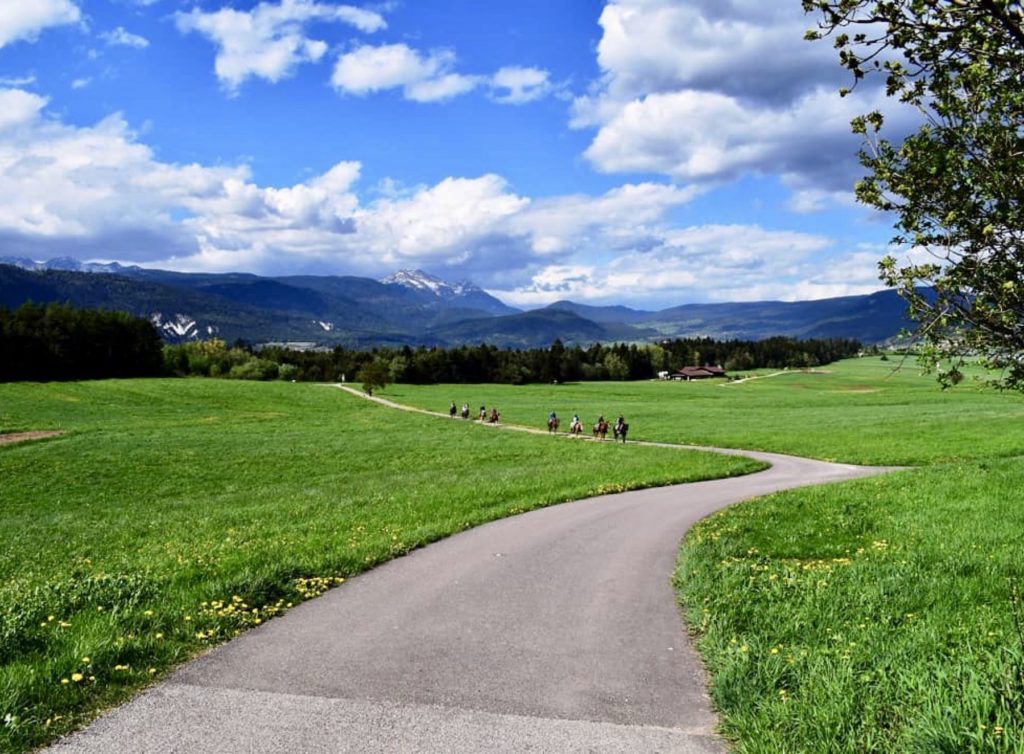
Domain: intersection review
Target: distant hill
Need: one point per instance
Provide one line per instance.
(618, 314)
(414, 308)
(539, 327)
(870, 319)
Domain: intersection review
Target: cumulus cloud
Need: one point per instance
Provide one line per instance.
(270, 41)
(422, 77)
(24, 21)
(98, 192)
(699, 263)
(121, 37)
(711, 90)
(431, 76)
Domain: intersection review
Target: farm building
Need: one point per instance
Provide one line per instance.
(698, 373)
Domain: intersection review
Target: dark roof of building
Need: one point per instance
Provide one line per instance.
(699, 372)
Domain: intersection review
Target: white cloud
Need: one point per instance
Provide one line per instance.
(17, 81)
(711, 90)
(24, 20)
(710, 137)
(81, 83)
(97, 192)
(422, 77)
(430, 77)
(74, 190)
(515, 85)
(269, 41)
(18, 107)
(124, 38)
(705, 263)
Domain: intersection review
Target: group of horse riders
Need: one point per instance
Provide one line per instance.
(494, 418)
(575, 427)
(600, 429)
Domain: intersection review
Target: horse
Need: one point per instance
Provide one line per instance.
(601, 430)
(553, 425)
(621, 430)
(576, 428)
(465, 411)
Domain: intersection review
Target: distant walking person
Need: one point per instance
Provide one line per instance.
(621, 428)
(452, 410)
(483, 413)
(495, 416)
(465, 410)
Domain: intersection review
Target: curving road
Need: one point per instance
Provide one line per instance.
(553, 631)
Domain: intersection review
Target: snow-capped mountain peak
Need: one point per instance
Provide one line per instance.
(66, 264)
(421, 281)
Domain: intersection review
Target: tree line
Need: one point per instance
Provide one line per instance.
(43, 342)
(558, 363)
(60, 342)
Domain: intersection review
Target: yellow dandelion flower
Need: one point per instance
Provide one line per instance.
(152, 671)
(159, 636)
(86, 660)
(77, 677)
(64, 681)
(148, 613)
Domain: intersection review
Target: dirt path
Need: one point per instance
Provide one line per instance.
(551, 632)
(775, 374)
(12, 437)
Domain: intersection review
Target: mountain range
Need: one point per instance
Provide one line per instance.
(412, 307)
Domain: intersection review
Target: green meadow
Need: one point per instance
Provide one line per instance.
(881, 615)
(173, 514)
(856, 411)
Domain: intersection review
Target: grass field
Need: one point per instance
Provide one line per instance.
(873, 616)
(175, 513)
(858, 412)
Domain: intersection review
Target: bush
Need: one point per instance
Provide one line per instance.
(254, 369)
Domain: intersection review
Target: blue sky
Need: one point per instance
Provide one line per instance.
(646, 152)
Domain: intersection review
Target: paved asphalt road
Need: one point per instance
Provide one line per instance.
(553, 631)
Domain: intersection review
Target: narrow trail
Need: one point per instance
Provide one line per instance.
(553, 631)
(775, 374)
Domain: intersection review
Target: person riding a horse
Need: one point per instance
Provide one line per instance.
(576, 426)
(552, 422)
(601, 428)
(621, 428)
(494, 416)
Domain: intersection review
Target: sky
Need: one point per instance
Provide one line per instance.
(640, 152)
